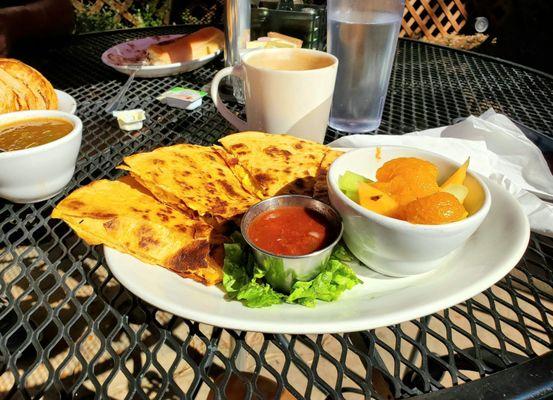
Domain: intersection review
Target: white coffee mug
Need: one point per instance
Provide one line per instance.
(286, 91)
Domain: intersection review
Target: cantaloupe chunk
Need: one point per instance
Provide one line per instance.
(376, 200)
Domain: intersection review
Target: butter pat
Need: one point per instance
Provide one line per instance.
(130, 120)
(179, 97)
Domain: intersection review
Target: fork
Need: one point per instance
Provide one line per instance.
(114, 102)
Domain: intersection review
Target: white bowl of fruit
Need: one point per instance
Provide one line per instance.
(405, 211)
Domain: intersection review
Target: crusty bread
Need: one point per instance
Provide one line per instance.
(8, 100)
(199, 44)
(296, 42)
(24, 88)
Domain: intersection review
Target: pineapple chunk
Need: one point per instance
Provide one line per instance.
(458, 177)
(459, 191)
(376, 200)
(476, 195)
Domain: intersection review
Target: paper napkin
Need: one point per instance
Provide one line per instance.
(497, 149)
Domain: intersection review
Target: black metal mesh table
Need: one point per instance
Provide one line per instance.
(69, 329)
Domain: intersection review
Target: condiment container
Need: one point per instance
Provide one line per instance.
(282, 270)
(179, 97)
(130, 120)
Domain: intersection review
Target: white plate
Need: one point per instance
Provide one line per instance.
(66, 102)
(134, 51)
(379, 301)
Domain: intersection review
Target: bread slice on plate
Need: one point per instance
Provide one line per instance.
(196, 45)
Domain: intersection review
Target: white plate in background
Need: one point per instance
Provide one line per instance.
(132, 52)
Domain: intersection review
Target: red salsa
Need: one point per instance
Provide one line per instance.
(290, 231)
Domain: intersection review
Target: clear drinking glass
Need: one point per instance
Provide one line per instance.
(362, 34)
(237, 35)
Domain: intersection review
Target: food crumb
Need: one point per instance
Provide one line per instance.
(378, 153)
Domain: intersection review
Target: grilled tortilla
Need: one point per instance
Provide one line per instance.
(271, 164)
(320, 191)
(123, 217)
(191, 177)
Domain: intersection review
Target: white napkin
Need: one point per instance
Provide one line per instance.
(497, 150)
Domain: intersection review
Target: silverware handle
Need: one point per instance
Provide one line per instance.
(117, 98)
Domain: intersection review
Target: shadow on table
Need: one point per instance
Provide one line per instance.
(74, 308)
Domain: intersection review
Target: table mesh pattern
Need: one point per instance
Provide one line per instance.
(68, 328)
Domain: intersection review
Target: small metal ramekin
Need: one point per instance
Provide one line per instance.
(283, 271)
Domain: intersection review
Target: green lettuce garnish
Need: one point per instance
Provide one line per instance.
(243, 279)
(331, 282)
(255, 294)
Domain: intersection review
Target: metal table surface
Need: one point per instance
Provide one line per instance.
(69, 329)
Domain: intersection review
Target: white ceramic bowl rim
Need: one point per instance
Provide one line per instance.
(393, 222)
(21, 115)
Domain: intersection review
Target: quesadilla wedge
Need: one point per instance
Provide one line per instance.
(191, 177)
(320, 191)
(270, 164)
(121, 216)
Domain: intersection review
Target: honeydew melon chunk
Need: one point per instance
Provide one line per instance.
(352, 194)
(350, 181)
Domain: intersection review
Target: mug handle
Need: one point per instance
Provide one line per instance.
(236, 70)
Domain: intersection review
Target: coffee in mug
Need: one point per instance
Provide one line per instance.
(286, 91)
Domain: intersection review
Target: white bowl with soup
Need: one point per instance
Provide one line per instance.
(38, 152)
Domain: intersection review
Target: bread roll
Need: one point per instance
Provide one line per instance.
(24, 88)
(199, 44)
(8, 101)
(296, 42)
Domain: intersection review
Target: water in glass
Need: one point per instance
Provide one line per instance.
(365, 45)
